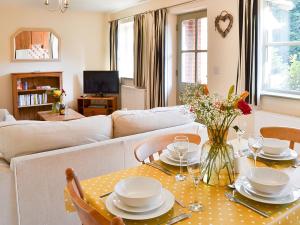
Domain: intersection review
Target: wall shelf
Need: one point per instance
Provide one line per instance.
(35, 90)
(39, 105)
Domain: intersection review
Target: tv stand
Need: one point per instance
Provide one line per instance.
(94, 105)
(101, 95)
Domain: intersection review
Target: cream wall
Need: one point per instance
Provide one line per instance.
(83, 46)
(222, 52)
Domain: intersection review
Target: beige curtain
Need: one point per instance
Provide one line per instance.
(149, 53)
(114, 45)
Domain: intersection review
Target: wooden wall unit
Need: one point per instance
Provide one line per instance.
(29, 112)
(92, 106)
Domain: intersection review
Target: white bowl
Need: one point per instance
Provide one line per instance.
(267, 180)
(274, 146)
(139, 191)
(193, 148)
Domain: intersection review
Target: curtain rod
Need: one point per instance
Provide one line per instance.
(168, 7)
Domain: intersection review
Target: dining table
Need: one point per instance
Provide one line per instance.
(217, 208)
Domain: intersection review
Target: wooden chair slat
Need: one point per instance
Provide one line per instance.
(282, 133)
(145, 149)
(87, 214)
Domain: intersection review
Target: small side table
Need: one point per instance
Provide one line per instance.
(50, 116)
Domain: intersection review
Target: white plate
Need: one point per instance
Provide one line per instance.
(164, 158)
(250, 189)
(166, 207)
(286, 153)
(172, 159)
(119, 204)
(192, 148)
(293, 155)
(293, 196)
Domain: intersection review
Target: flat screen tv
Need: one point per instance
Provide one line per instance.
(101, 82)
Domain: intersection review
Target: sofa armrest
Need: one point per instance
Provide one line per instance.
(40, 178)
(8, 205)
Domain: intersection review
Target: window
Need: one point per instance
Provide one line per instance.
(281, 46)
(193, 47)
(125, 48)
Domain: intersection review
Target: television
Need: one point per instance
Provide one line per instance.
(101, 82)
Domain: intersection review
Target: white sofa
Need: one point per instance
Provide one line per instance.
(31, 186)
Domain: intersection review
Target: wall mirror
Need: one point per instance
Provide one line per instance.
(35, 45)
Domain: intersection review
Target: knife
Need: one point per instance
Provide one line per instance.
(106, 194)
(178, 218)
(159, 168)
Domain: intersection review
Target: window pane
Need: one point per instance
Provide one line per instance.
(282, 68)
(202, 34)
(282, 20)
(188, 34)
(188, 68)
(125, 49)
(202, 68)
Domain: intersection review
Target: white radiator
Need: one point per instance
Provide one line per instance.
(133, 98)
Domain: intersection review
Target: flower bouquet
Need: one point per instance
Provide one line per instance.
(58, 95)
(217, 113)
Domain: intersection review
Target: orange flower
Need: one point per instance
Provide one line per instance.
(205, 90)
(244, 95)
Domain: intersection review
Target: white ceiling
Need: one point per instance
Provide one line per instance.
(86, 5)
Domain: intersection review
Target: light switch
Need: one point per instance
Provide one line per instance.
(216, 70)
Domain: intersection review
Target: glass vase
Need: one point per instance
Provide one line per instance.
(55, 107)
(217, 159)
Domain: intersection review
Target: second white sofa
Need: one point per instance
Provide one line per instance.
(31, 188)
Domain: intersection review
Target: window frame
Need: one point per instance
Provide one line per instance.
(264, 45)
(191, 15)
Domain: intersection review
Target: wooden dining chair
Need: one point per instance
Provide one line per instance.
(87, 214)
(146, 149)
(283, 133)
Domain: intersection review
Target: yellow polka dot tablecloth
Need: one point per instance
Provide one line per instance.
(218, 210)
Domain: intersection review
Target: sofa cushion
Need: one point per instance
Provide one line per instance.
(9, 118)
(3, 114)
(27, 137)
(139, 121)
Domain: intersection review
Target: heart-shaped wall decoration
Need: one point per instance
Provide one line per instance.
(223, 18)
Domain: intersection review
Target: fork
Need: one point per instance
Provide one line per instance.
(234, 199)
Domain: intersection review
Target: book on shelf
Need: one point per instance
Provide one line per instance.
(32, 99)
